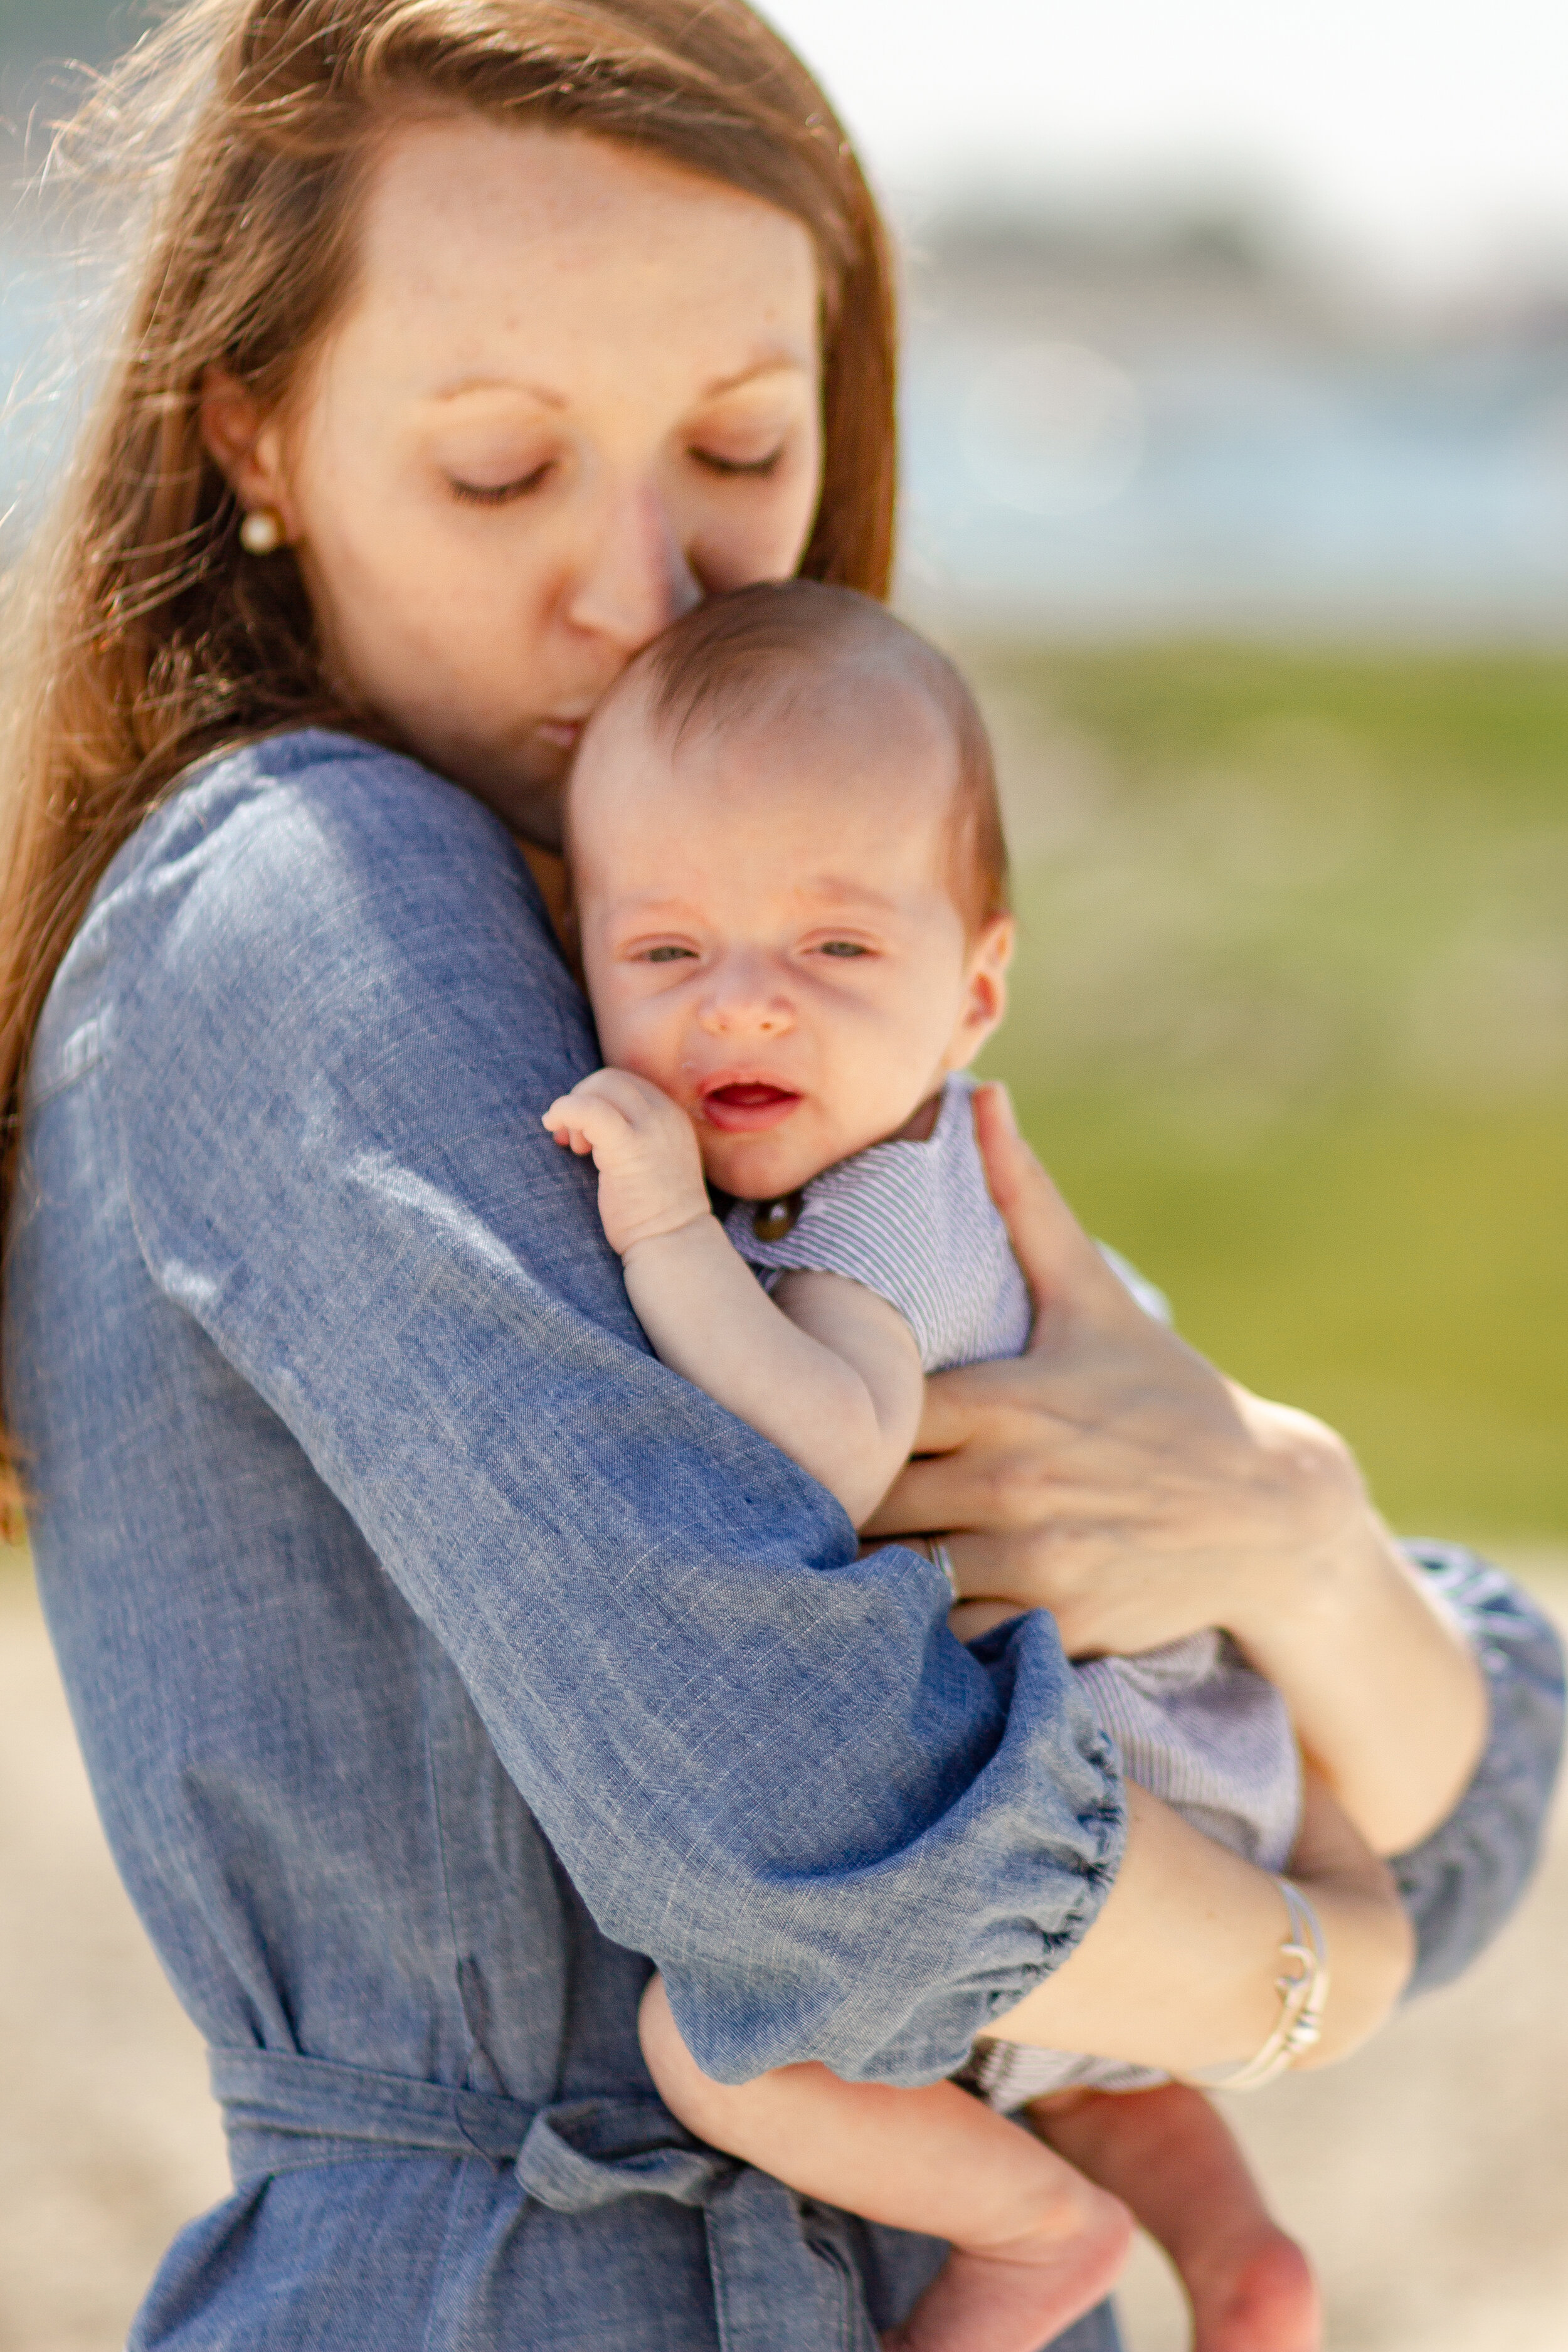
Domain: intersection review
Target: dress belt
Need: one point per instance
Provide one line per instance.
(782, 2278)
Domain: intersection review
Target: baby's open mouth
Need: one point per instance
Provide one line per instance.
(746, 1106)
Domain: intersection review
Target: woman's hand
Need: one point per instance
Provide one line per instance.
(1114, 1477)
(1109, 1474)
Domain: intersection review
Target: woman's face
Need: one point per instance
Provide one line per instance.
(574, 391)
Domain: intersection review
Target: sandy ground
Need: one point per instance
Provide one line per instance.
(1429, 2177)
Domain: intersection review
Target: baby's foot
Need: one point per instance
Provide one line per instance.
(1016, 2295)
(1253, 2292)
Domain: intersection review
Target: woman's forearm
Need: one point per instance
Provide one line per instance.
(1179, 1969)
(1386, 1695)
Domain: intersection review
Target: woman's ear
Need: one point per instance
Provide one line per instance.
(984, 990)
(247, 441)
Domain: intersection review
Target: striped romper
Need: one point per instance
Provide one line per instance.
(1191, 1722)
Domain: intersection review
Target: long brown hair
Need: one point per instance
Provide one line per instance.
(139, 637)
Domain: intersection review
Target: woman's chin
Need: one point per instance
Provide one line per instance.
(526, 806)
(523, 783)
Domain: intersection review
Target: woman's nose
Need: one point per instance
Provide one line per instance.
(636, 578)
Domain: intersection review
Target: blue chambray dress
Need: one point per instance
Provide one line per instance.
(440, 1660)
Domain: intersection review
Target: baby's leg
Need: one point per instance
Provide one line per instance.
(1034, 2244)
(1170, 2156)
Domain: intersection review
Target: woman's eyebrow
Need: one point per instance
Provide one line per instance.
(468, 384)
(778, 362)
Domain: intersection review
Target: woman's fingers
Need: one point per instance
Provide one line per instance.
(917, 1502)
(1064, 1270)
(956, 1405)
(1008, 1410)
(1110, 1474)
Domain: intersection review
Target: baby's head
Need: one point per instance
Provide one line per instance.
(790, 877)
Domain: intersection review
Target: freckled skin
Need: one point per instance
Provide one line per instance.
(574, 390)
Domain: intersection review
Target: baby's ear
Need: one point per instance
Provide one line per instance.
(994, 942)
(985, 989)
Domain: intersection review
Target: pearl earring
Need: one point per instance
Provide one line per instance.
(262, 532)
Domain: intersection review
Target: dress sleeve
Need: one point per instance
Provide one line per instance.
(1464, 1882)
(765, 1763)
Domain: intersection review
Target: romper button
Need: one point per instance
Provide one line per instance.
(772, 1220)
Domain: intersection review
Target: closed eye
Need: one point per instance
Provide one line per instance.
(758, 467)
(501, 494)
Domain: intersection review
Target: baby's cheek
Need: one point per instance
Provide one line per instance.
(642, 1058)
(630, 1040)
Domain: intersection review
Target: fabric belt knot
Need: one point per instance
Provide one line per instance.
(782, 2278)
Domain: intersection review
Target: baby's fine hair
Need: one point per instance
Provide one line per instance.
(735, 656)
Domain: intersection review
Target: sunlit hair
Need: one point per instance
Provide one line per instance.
(765, 656)
(139, 636)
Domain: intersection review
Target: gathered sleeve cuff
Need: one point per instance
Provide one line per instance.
(1462, 1883)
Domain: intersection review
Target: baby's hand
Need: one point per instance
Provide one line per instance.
(644, 1148)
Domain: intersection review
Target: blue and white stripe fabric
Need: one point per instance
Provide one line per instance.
(914, 1222)
(1191, 1722)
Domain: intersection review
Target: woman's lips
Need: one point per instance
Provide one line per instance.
(562, 732)
(747, 1107)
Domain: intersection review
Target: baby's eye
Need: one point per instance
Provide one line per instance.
(668, 954)
(842, 947)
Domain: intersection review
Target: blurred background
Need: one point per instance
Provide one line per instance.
(1236, 473)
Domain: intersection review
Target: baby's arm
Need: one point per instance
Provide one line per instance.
(824, 1368)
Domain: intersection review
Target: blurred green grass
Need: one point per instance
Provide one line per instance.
(1290, 1025)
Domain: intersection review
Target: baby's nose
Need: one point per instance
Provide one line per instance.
(743, 1004)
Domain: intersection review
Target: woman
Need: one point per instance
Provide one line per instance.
(436, 1655)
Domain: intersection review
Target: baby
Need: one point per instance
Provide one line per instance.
(790, 896)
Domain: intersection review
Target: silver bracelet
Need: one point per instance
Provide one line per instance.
(1303, 1989)
(942, 1558)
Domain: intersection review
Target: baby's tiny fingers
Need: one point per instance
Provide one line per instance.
(565, 1111)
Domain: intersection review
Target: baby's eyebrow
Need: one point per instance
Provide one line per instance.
(840, 892)
(837, 892)
(648, 906)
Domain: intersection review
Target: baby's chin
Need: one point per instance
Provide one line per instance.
(770, 1167)
(753, 1174)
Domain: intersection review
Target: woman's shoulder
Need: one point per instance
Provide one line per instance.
(311, 877)
(315, 788)
(282, 846)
